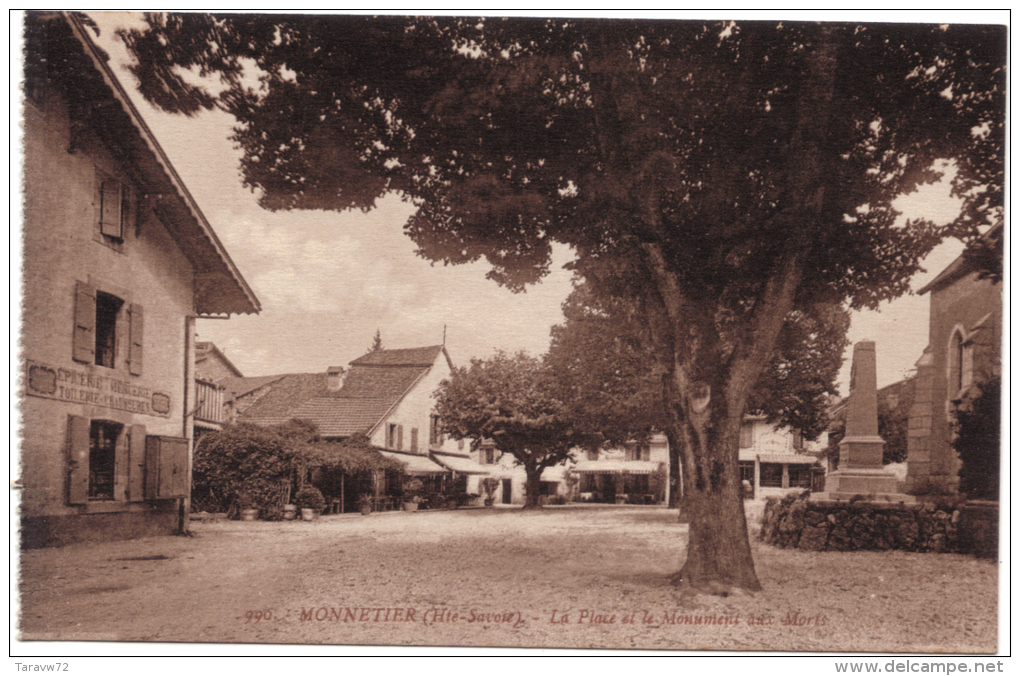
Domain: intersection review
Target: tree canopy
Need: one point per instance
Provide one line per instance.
(510, 400)
(603, 363)
(724, 175)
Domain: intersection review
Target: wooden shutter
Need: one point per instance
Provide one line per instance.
(414, 438)
(78, 428)
(84, 323)
(166, 468)
(136, 464)
(400, 437)
(137, 331)
(110, 203)
(120, 466)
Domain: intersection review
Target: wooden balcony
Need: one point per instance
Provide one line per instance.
(209, 403)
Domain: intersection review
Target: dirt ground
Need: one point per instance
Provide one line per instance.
(577, 577)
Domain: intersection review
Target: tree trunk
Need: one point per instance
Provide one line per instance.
(718, 546)
(533, 486)
(675, 480)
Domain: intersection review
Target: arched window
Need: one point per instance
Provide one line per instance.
(955, 364)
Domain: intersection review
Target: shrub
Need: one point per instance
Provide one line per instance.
(977, 441)
(310, 497)
(247, 463)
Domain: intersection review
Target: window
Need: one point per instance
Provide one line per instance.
(391, 435)
(98, 319)
(798, 441)
(489, 455)
(400, 437)
(747, 472)
(771, 475)
(800, 476)
(113, 209)
(435, 431)
(638, 453)
(107, 309)
(955, 364)
(746, 434)
(103, 438)
(414, 439)
(105, 461)
(460, 444)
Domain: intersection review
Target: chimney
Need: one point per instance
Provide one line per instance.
(335, 376)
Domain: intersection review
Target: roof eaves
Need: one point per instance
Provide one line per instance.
(113, 84)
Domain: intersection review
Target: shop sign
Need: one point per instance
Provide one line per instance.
(78, 386)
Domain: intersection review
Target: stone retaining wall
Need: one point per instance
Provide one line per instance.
(938, 526)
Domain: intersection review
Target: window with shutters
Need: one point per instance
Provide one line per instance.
(98, 317)
(391, 435)
(105, 461)
(113, 210)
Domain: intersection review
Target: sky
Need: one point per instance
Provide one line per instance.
(327, 281)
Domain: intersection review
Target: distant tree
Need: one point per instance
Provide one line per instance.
(734, 172)
(509, 399)
(376, 342)
(892, 427)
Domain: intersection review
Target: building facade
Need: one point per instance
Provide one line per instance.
(777, 460)
(118, 263)
(963, 352)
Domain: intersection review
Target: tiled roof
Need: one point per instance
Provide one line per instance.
(377, 383)
(373, 385)
(287, 393)
(341, 417)
(415, 356)
(204, 350)
(238, 387)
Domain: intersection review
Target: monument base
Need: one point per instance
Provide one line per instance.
(876, 485)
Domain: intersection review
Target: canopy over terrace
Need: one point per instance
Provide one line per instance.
(621, 481)
(413, 464)
(349, 469)
(460, 464)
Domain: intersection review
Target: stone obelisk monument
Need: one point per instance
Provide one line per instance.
(860, 452)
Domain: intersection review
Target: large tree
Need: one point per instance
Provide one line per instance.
(603, 363)
(511, 401)
(726, 174)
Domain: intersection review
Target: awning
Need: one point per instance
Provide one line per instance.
(617, 467)
(461, 464)
(415, 465)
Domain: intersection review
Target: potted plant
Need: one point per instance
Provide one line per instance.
(289, 512)
(365, 504)
(247, 507)
(310, 501)
(411, 497)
